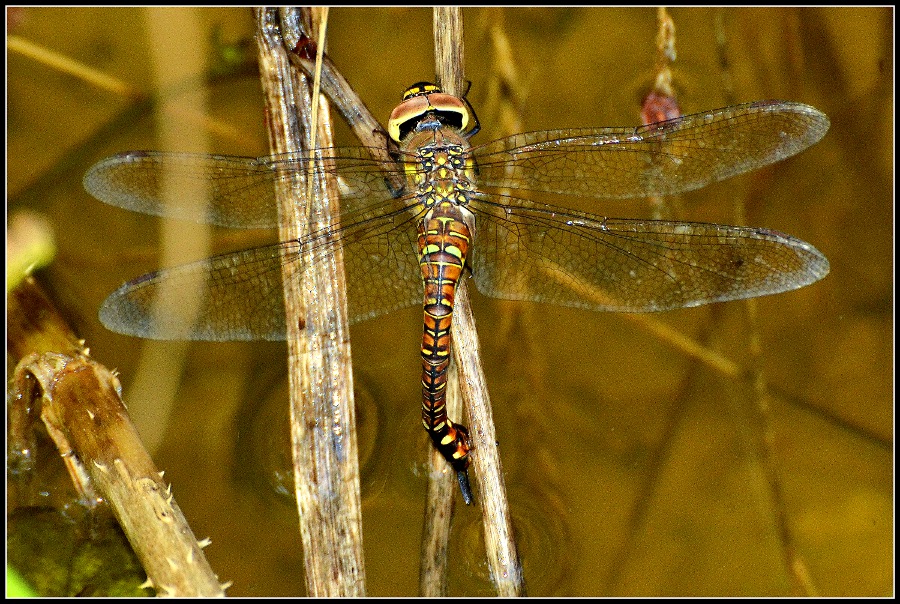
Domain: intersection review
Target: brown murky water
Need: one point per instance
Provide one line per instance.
(631, 468)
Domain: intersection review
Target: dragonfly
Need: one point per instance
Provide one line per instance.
(477, 210)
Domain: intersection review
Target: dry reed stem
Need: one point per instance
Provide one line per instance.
(323, 423)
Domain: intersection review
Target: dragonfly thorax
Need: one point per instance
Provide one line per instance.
(440, 168)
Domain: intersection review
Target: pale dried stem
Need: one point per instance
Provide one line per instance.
(323, 423)
(759, 409)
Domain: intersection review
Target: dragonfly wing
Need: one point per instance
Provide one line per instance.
(240, 191)
(382, 259)
(241, 295)
(665, 158)
(524, 251)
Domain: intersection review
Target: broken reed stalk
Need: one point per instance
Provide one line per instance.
(81, 407)
(323, 423)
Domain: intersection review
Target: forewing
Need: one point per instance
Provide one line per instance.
(240, 191)
(665, 158)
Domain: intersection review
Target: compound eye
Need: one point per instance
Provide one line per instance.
(451, 110)
(448, 109)
(406, 115)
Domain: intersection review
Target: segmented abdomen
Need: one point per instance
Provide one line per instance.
(443, 244)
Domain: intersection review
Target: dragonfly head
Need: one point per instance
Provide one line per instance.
(426, 106)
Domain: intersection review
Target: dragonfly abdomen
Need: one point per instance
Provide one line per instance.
(443, 241)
